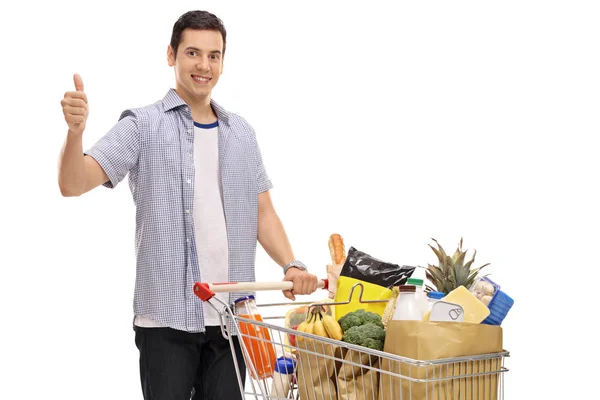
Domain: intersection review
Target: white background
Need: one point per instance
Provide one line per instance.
(390, 125)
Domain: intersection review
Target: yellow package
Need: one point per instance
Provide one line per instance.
(370, 292)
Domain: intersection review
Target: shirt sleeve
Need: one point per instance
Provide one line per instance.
(263, 181)
(117, 152)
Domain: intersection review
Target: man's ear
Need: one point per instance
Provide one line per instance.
(170, 56)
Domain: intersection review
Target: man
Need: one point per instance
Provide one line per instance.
(202, 201)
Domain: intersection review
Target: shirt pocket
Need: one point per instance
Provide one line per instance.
(164, 154)
(169, 143)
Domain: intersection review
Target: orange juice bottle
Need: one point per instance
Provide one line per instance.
(257, 340)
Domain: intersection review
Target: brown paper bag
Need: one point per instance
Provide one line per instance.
(426, 341)
(358, 381)
(333, 273)
(329, 372)
(316, 370)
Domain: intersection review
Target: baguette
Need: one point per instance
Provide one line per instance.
(337, 250)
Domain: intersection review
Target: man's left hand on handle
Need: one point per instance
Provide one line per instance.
(304, 283)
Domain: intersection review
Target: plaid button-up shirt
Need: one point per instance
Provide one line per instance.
(155, 145)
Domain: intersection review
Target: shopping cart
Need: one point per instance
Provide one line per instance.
(324, 368)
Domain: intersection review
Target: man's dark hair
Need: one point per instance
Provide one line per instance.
(199, 20)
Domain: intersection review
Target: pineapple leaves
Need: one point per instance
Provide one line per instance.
(441, 249)
(434, 274)
(459, 258)
(452, 272)
(437, 253)
(456, 258)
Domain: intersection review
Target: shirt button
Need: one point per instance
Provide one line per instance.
(189, 181)
(187, 211)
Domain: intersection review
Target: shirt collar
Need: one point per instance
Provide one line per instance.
(172, 100)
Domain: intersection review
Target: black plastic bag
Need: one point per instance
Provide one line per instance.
(360, 265)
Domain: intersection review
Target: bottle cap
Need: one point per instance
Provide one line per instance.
(285, 365)
(407, 288)
(436, 295)
(414, 281)
(251, 297)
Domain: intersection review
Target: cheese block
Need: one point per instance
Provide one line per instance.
(475, 311)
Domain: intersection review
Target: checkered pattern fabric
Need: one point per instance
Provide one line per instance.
(154, 145)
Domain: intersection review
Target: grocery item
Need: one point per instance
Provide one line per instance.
(292, 338)
(333, 328)
(256, 338)
(282, 377)
(337, 249)
(451, 272)
(306, 327)
(408, 305)
(362, 266)
(363, 328)
(318, 328)
(338, 257)
(321, 324)
(458, 380)
(390, 307)
(420, 294)
(499, 307)
(370, 292)
(490, 294)
(376, 277)
(432, 298)
(295, 316)
(474, 310)
(442, 311)
(333, 274)
(484, 289)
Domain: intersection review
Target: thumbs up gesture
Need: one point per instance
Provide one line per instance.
(75, 107)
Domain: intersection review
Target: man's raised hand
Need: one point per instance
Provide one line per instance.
(75, 107)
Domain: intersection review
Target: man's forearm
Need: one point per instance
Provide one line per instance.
(71, 172)
(272, 237)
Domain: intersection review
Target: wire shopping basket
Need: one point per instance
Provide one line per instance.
(320, 368)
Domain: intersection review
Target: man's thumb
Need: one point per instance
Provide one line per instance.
(288, 294)
(78, 82)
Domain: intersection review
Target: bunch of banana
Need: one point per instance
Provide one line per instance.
(321, 324)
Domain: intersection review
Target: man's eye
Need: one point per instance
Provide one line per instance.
(191, 53)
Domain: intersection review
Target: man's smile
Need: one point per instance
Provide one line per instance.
(201, 79)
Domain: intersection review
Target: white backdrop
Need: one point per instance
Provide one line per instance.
(387, 124)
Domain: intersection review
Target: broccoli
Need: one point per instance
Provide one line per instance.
(363, 328)
(373, 344)
(348, 321)
(371, 318)
(368, 335)
(359, 317)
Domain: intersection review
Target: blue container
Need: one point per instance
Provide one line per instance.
(285, 365)
(436, 295)
(499, 307)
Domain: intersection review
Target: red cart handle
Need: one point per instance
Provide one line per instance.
(205, 291)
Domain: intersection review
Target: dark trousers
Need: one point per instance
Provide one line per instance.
(177, 365)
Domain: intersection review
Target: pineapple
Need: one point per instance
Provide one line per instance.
(451, 272)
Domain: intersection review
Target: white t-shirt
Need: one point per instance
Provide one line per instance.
(209, 218)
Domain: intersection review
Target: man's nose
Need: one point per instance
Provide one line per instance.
(203, 64)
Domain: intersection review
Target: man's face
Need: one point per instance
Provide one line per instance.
(198, 64)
